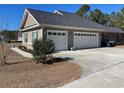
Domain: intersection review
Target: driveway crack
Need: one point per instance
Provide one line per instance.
(103, 69)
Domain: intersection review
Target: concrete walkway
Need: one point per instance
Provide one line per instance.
(23, 53)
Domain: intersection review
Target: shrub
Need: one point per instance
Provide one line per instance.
(42, 49)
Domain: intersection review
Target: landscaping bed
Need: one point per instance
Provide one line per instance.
(25, 73)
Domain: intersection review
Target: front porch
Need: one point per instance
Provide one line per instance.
(117, 37)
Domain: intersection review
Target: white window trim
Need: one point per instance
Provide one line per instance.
(36, 31)
(24, 38)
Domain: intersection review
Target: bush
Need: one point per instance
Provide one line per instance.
(42, 49)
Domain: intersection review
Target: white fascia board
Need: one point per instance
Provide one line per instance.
(23, 18)
(56, 11)
(30, 27)
(80, 28)
(76, 28)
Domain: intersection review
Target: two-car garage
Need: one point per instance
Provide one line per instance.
(80, 39)
(86, 40)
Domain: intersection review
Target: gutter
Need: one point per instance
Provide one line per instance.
(32, 27)
(68, 27)
(79, 28)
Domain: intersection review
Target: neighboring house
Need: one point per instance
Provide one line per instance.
(66, 29)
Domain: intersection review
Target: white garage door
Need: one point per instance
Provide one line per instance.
(86, 40)
(59, 38)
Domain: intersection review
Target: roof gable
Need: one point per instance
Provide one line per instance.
(28, 20)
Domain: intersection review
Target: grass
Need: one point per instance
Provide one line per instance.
(23, 72)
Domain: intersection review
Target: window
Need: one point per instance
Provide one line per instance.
(87, 34)
(78, 34)
(59, 34)
(81, 34)
(49, 33)
(75, 34)
(84, 34)
(25, 37)
(63, 34)
(119, 37)
(54, 33)
(105, 37)
(34, 35)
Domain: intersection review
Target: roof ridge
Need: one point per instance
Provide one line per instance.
(38, 10)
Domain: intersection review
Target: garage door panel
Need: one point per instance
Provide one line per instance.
(85, 40)
(59, 38)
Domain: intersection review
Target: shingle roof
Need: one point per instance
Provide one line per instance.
(113, 29)
(68, 19)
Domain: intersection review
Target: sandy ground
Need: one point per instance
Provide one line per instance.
(25, 73)
(120, 46)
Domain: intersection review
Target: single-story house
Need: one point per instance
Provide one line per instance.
(66, 30)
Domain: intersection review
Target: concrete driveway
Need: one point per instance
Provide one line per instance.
(102, 67)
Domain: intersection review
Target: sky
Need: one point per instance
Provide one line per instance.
(11, 15)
